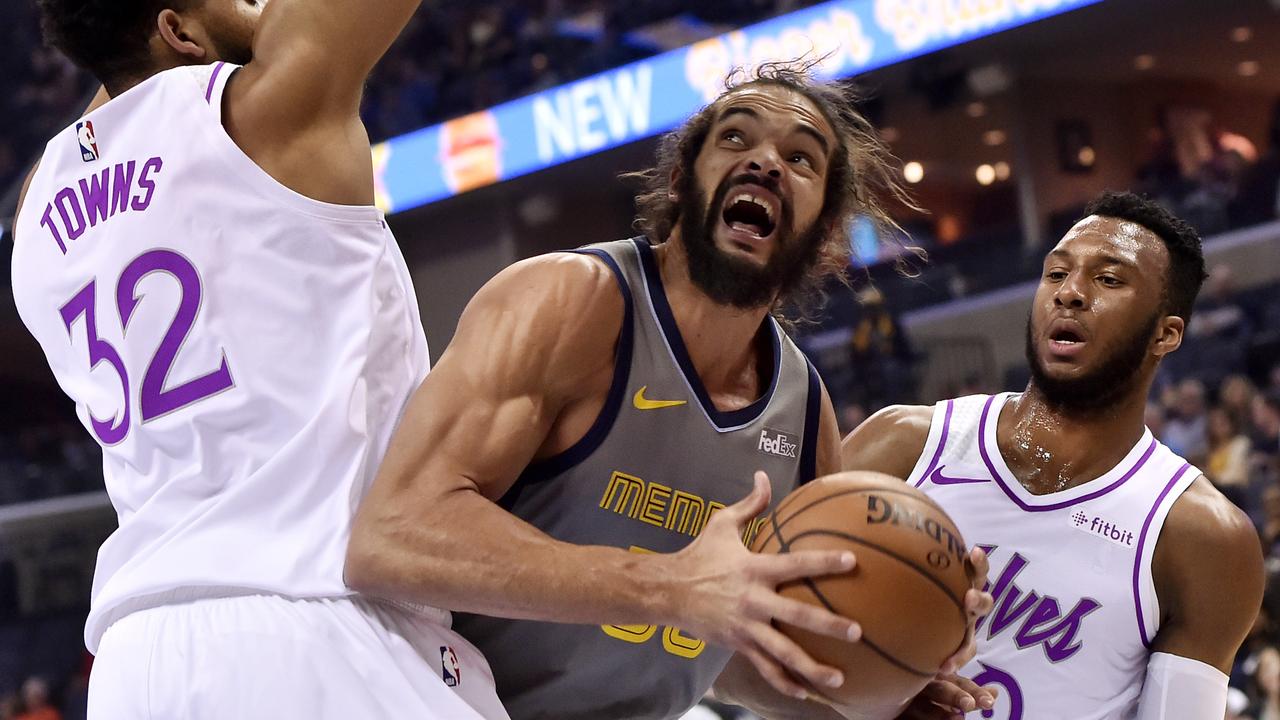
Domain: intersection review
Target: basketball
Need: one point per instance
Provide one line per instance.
(907, 588)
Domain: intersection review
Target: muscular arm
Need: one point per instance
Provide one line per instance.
(1209, 578)
(429, 530)
(295, 107)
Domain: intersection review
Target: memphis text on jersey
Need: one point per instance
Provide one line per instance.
(126, 187)
(661, 506)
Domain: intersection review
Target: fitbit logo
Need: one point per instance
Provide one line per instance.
(1101, 527)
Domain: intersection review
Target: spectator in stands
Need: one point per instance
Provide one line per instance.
(1236, 397)
(1186, 434)
(1156, 420)
(35, 701)
(1218, 315)
(1229, 448)
(1267, 680)
(1259, 197)
(879, 354)
(1266, 423)
(8, 707)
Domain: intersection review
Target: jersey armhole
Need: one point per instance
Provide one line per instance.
(1146, 601)
(812, 421)
(934, 444)
(543, 470)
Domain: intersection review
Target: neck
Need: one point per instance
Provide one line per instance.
(720, 338)
(1050, 448)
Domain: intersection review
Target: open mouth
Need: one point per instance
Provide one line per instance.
(1067, 337)
(748, 213)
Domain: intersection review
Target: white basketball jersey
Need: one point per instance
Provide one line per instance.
(241, 352)
(1075, 604)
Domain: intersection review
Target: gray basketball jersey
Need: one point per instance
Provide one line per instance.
(659, 460)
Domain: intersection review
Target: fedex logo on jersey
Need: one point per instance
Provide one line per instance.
(774, 442)
(88, 141)
(1102, 528)
(450, 668)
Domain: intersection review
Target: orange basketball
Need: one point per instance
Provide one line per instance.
(906, 590)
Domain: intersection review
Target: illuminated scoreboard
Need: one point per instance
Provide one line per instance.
(654, 95)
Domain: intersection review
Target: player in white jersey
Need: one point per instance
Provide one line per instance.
(1123, 581)
(201, 263)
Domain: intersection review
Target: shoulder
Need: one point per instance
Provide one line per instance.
(1206, 532)
(1208, 570)
(559, 307)
(890, 441)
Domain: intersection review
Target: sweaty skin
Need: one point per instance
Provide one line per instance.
(1108, 274)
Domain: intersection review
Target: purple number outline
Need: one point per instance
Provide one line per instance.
(109, 432)
(154, 400)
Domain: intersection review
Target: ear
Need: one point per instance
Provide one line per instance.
(182, 35)
(1169, 335)
(673, 182)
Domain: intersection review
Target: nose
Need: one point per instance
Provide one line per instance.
(1070, 295)
(766, 160)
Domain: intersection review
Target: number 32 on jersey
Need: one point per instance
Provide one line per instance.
(154, 398)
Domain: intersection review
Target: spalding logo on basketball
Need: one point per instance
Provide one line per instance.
(906, 590)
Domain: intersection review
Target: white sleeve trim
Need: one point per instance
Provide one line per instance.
(1179, 688)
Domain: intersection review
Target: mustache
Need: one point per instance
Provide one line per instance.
(768, 182)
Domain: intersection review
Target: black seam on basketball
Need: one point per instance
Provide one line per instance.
(895, 661)
(959, 603)
(876, 648)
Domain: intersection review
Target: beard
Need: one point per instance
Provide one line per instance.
(1104, 387)
(738, 282)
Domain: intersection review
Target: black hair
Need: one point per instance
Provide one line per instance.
(1186, 258)
(108, 38)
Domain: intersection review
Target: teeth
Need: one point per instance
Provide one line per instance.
(747, 197)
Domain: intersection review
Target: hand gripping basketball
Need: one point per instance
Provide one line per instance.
(731, 597)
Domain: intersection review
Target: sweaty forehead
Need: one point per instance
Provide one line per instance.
(775, 100)
(1103, 236)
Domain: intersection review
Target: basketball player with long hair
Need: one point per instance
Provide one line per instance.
(200, 260)
(562, 476)
(1123, 581)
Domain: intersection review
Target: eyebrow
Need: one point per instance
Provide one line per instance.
(1109, 259)
(800, 127)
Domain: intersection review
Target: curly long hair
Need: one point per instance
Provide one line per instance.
(863, 178)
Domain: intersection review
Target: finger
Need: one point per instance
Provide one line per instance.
(981, 565)
(961, 658)
(809, 617)
(922, 709)
(950, 693)
(785, 567)
(773, 674)
(789, 655)
(985, 697)
(751, 506)
(978, 603)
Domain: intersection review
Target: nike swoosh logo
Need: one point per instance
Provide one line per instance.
(643, 403)
(937, 478)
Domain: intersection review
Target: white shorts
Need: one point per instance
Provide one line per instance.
(264, 657)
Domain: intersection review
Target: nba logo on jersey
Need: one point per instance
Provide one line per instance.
(88, 141)
(449, 666)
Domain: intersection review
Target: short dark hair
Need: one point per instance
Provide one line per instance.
(109, 38)
(862, 176)
(1186, 258)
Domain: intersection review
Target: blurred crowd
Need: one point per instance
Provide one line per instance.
(455, 57)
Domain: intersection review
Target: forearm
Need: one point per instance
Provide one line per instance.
(467, 554)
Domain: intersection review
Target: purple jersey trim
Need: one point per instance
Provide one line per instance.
(1001, 481)
(213, 80)
(942, 442)
(1142, 540)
